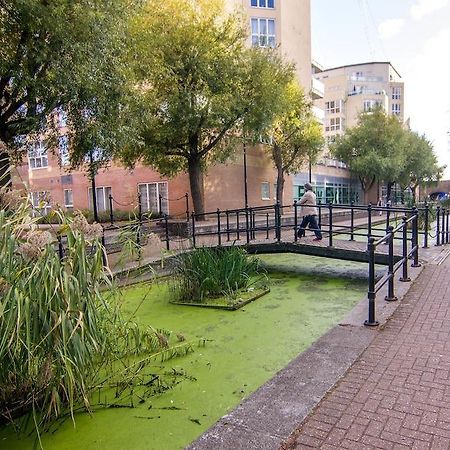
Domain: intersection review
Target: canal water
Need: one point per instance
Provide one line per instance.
(244, 349)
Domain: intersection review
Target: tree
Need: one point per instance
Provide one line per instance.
(62, 58)
(201, 88)
(296, 135)
(374, 150)
(421, 165)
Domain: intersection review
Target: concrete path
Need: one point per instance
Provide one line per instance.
(359, 387)
(397, 393)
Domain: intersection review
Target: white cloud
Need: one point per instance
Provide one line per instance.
(390, 27)
(425, 7)
(428, 94)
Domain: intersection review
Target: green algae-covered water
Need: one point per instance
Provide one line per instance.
(244, 349)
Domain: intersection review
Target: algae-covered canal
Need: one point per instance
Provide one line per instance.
(244, 349)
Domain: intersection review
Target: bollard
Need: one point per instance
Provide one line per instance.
(390, 297)
(427, 212)
(438, 233)
(371, 294)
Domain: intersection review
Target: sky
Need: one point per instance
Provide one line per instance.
(414, 35)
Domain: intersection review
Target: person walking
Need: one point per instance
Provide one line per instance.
(309, 211)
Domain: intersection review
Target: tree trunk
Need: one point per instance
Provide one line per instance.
(280, 187)
(196, 184)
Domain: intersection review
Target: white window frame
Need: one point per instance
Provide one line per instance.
(38, 156)
(263, 4)
(396, 109)
(104, 197)
(40, 201)
(370, 104)
(265, 190)
(333, 106)
(260, 39)
(66, 203)
(396, 93)
(334, 124)
(64, 156)
(146, 203)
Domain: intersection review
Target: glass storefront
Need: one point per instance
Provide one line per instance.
(330, 189)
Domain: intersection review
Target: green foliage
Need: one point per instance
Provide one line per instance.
(199, 87)
(212, 272)
(296, 134)
(374, 150)
(62, 336)
(64, 55)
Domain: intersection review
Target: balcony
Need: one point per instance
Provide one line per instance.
(319, 114)
(317, 89)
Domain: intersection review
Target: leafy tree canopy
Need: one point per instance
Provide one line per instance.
(374, 150)
(62, 56)
(200, 86)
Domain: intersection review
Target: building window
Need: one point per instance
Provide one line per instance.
(37, 156)
(63, 143)
(68, 198)
(263, 3)
(396, 93)
(333, 107)
(40, 201)
(61, 117)
(263, 33)
(265, 190)
(102, 193)
(369, 105)
(396, 109)
(334, 124)
(150, 195)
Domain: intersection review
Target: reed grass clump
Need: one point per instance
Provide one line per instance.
(212, 272)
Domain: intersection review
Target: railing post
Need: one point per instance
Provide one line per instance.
(438, 219)
(443, 213)
(238, 235)
(415, 238)
(405, 277)
(369, 220)
(319, 206)
(254, 225)
(166, 223)
(388, 216)
(247, 225)
(352, 220)
(187, 206)
(160, 203)
(139, 207)
(138, 233)
(219, 236)
(104, 261)
(427, 218)
(60, 247)
(111, 215)
(278, 221)
(193, 228)
(330, 225)
(228, 225)
(267, 225)
(371, 294)
(295, 221)
(446, 227)
(390, 297)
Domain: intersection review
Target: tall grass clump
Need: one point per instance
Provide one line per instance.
(212, 272)
(62, 336)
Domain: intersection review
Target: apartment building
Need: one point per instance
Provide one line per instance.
(348, 91)
(284, 24)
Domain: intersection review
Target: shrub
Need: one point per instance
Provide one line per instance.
(212, 272)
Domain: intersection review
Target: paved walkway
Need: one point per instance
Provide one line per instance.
(397, 393)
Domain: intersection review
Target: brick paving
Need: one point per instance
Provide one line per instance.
(397, 393)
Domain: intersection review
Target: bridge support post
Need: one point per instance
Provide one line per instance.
(371, 294)
(405, 277)
(390, 297)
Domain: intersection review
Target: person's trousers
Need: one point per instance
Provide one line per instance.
(312, 222)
